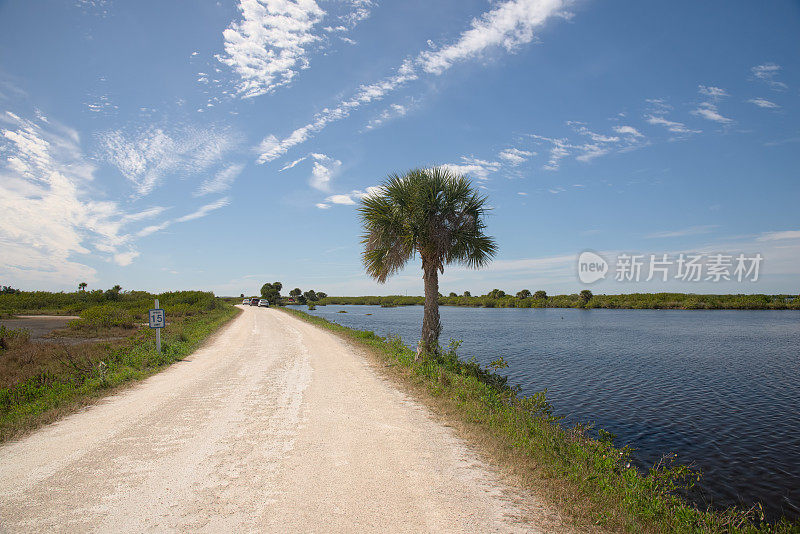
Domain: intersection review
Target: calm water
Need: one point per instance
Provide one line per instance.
(720, 388)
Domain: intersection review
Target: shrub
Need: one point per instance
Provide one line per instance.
(104, 316)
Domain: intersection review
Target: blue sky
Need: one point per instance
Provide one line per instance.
(221, 145)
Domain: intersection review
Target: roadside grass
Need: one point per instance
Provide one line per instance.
(590, 481)
(42, 381)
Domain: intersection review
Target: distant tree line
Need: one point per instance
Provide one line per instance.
(498, 298)
(135, 303)
(272, 292)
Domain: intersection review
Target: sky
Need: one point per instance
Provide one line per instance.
(166, 145)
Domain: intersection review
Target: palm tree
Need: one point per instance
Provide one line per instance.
(82, 286)
(431, 212)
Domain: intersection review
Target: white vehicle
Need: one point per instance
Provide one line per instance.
(263, 303)
(246, 302)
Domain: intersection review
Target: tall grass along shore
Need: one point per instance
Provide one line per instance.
(675, 301)
(580, 469)
(108, 346)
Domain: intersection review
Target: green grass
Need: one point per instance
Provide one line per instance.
(592, 479)
(44, 381)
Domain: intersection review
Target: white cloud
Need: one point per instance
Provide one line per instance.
(292, 164)
(672, 126)
(515, 156)
(712, 92)
(763, 103)
(148, 230)
(268, 46)
(48, 214)
(341, 199)
(125, 258)
(590, 151)
(272, 148)
(222, 180)
(596, 137)
(471, 166)
(692, 230)
(510, 25)
(392, 112)
(325, 169)
(205, 210)
(767, 73)
(148, 156)
(776, 236)
(360, 10)
(197, 214)
(371, 190)
(348, 199)
(559, 149)
(144, 214)
(709, 111)
(628, 130)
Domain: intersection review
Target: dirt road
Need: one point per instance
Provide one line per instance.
(275, 426)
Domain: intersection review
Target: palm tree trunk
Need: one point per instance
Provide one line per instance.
(431, 327)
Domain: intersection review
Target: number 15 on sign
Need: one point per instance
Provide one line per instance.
(157, 321)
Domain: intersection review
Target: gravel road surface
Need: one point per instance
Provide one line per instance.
(274, 426)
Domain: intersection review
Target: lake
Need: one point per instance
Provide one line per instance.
(720, 388)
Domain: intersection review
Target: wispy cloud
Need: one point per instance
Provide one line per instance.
(49, 216)
(558, 151)
(509, 25)
(692, 230)
(292, 164)
(394, 111)
(763, 103)
(777, 236)
(515, 156)
(709, 111)
(146, 157)
(197, 214)
(221, 181)
(657, 117)
(628, 130)
(472, 166)
(767, 73)
(672, 126)
(205, 210)
(712, 92)
(589, 144)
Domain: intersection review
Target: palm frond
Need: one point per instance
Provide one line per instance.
(431, 211)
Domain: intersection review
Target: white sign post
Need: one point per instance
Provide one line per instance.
(157, 321)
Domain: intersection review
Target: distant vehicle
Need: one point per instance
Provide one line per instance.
(263, 303)
(254, 301)
(246, 302)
